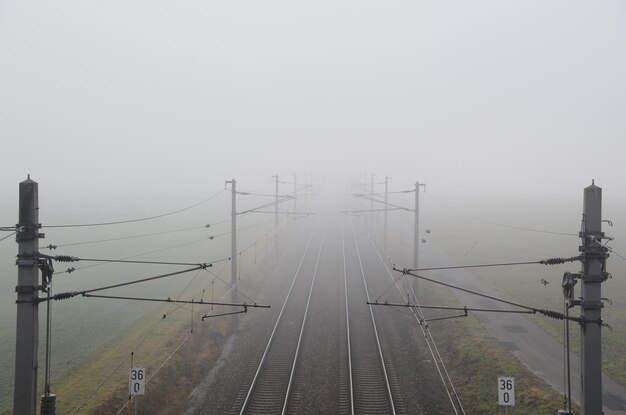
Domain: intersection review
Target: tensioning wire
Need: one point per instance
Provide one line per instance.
(141, 254)
(430, 340)
(549, 261)
(70, 294)
(133, 349)
(66, 258)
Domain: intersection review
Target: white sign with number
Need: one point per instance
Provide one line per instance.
(137, 381)
(506, 391)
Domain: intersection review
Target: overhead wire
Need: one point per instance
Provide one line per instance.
(174, 302)
(549, 261)
(244, 228)
(67, 258)
(231, 286)
(188, 336)
(70, 270)
(169, 300)
(156, 371)
(548, 313)
(503, 225)
(134, 348)
(154, 326)
(168, 248)
(386, 203)
(70, 294)
(173, 308)
(611, 250)
(279, 201)
(8, 236)
(135, 220)
(121, 238)
(430, 342)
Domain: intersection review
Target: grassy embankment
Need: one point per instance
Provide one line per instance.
(475, 360)
(159, 338)
(523, 285)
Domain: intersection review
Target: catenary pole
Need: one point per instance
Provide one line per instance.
(233, 255)
(306, 192)
(276, 206)
(592, 276)
(416, 236)
(372, 197)
(27, 332)
(276, 237)
(295, 198)
(386, 211)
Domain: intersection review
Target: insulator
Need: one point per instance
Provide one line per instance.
(553, 261)
(552, 314)
(65, 258)
(65, 296)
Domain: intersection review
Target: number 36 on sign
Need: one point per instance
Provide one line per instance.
(506, 391)
(137, 381)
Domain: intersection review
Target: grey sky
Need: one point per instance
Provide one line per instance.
(182, 95)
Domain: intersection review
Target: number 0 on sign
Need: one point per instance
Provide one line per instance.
(137, 381)
(506, 391)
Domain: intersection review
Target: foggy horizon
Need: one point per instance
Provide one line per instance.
(515, 98)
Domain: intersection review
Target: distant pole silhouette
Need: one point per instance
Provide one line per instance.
(233, 255)
(386, 211)
(276, 240)
(416, 236)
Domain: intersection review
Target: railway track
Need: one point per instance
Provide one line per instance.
(272, 383)
(364, 379)
(324, 350)
(372, 389)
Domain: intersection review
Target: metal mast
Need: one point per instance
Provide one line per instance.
(27, 333)
(593, 274)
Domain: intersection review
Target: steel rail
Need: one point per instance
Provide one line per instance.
(345, 288)
(345, 285)
(377, 337)
(253, 384)
(306, 311)
(428, 337)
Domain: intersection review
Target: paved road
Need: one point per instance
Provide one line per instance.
(529, 343)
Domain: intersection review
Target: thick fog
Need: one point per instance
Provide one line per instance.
(126, 109)
(107, 100)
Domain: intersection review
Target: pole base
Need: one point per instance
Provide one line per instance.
(48, 404)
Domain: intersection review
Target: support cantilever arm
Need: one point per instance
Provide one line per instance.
(169, 300)
(387, 204)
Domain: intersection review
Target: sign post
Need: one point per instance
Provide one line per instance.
(136, 383)
(506, 391)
